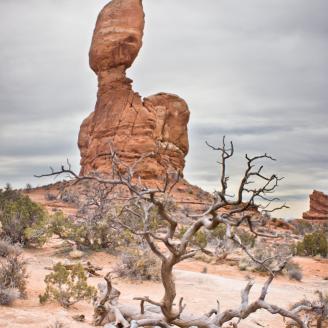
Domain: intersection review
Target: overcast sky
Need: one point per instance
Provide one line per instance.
(255, 71)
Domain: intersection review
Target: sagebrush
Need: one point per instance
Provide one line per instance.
(139, 264)
(12, 275)
(67, 286)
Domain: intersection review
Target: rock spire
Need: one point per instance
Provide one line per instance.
(132, 125)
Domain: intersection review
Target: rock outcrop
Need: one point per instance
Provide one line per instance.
(132, 125)
(318, 207)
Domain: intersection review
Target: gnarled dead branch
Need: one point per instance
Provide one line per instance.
(255, 186)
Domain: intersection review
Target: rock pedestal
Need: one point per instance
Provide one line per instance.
(131, 125)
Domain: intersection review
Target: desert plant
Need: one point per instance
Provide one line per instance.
(67, 286)
(12, 276)
(91, 232)
(60, 225)
(294, 271)
(22, 220)
(219, 231)
(57, 324)
(199, 240)
(302, 226)
(8, 296)
(28, 187)
(247, 238)
(69, 197)
(139, 264)
(50, 197)
(266, 257)
(313, 244)
(8, 186)
(7, 248)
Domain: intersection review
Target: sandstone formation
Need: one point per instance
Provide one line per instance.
(132, 125)
(318, 207)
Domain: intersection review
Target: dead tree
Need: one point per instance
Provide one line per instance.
(254, 186)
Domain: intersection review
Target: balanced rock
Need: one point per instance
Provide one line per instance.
(318, 207)
(122, 120)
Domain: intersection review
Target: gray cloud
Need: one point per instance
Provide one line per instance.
(254, 71)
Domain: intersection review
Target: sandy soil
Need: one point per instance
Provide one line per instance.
(39, 195)
(200, 291)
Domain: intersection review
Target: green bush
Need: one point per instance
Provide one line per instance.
(61, 225)
(200, 239)
(67, 286)
(22, 220)
(313, 244)
(92, 233)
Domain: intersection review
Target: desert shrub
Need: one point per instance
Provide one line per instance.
(8, 187)
(90, 234)
(50, 197)
(265, 219)
(302, 227)
(67, 286)
(219, 232)
(69, 197)
(22, 220)
(8, 296)
(60, 225)
(313, 244)
(7, 248)
(199, 240)
(57, 324)
(28, 187)
(294, 271)
(139, 264)
(96, 226)
(12, 276)
(262, 252)
(247, 238)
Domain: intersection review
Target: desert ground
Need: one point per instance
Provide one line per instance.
(210, 282)
(222, 281)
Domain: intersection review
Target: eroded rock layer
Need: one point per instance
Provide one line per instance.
(318, 207)
(131, 125)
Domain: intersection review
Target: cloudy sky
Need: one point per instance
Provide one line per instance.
(255, 71)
